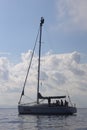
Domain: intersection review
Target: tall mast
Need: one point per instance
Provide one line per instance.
(41, 23)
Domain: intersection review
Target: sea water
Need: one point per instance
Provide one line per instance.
(11, 120)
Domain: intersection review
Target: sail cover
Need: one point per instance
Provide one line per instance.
(51, 97)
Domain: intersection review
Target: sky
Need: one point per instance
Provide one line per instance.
(64, 48)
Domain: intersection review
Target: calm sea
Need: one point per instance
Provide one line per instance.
(10, 120)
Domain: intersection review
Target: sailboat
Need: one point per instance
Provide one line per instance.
(47, 108)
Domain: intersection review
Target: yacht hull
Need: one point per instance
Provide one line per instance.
(46, 110)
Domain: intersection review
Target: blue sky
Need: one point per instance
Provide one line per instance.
(19, 22)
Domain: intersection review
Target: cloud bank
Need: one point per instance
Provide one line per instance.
(59, 73)
(71, 14)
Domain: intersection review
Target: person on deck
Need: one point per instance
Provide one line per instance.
(57, 102)
(61, 102)
(66, 103)
(49, 101)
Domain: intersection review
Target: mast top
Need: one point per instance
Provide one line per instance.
(41, 21)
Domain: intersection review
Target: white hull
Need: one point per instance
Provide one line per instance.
(44, 109)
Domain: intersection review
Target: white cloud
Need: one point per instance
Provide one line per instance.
(4, 68)
(71, 14)
(58, 72)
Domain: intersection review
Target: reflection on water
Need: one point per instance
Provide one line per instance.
(42, 122)
(46, 122)
(10, 120)
(75, 122)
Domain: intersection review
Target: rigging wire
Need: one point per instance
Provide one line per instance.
(69, 96)
(29, 68)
